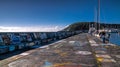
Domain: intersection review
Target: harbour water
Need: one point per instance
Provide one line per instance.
(115, 38)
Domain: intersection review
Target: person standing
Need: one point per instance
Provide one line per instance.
(107, 37)
(103, 36)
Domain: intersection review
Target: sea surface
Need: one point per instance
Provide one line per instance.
(115, 38)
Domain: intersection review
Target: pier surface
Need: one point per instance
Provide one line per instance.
(81, 50)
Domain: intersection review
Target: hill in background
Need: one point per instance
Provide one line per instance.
(85, 26)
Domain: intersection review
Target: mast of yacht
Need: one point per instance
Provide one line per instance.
(95, 17)
(98, 16)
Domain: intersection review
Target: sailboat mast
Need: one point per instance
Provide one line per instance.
(95, 17)
(98, 15)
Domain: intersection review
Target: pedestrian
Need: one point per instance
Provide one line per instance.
(103, 36)
(107, 37)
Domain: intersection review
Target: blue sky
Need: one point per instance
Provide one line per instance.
(56, 12)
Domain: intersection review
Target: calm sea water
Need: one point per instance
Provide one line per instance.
(115, 38)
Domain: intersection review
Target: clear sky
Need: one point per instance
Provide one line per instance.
(55, 12)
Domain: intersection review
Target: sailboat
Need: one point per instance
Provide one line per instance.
(101, 33)
(95, 28)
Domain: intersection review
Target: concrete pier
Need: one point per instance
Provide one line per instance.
(81, 50)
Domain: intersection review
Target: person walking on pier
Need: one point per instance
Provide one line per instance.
(105, 36)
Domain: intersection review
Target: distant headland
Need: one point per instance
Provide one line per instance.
(85, 26)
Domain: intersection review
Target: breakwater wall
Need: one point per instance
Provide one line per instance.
(10, 41)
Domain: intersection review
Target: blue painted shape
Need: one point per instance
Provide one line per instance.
(11, 48)
(47, 64)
